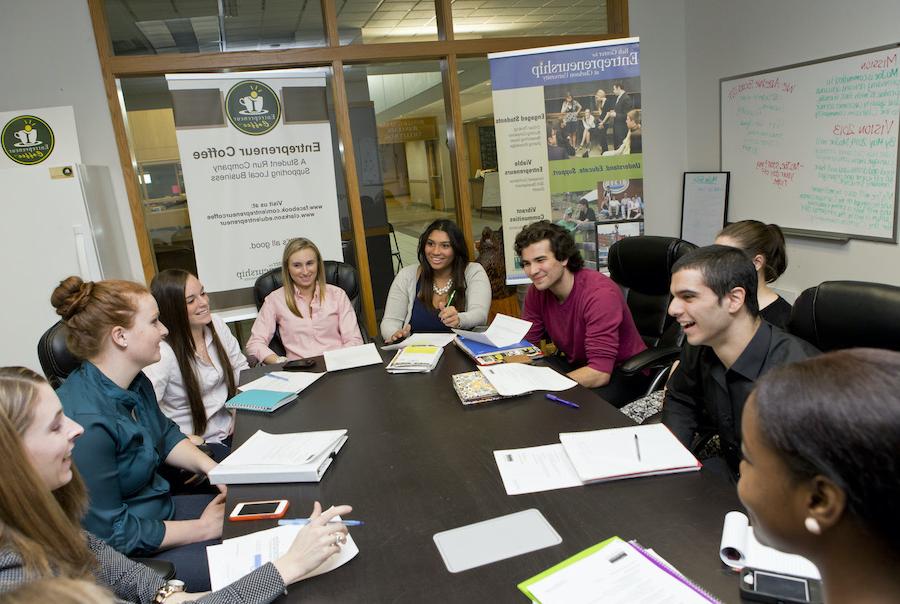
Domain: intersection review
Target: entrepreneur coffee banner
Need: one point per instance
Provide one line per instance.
(258, 168)
(569, 143)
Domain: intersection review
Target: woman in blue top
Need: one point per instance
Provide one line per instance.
(114, 326)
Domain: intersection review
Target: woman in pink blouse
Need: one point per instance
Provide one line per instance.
(311, 315)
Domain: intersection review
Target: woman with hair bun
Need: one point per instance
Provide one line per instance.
(764, 243)
(114, 327)
(200, 362)
(820, 475)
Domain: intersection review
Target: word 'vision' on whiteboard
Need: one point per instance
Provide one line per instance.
(813, 146)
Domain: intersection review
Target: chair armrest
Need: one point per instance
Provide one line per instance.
(163, 568)
(650, 359)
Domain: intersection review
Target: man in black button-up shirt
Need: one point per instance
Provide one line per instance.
(729, 347)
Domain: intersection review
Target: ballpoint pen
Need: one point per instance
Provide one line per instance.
(562, 401)
(637, 447)
(304, 521)
(450, 299)
(278, 377)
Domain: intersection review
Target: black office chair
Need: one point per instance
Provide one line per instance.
(848, 314)
(57, 362)
(337, 273)
(642, 266)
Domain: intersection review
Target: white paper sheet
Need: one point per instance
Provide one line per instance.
(283, 381)
(234, 558)
(740, 548)
(535, 469)
(419, 339)
(616, 574)
(503, 331)
(294, 449)
(354, 356)
(512, 379)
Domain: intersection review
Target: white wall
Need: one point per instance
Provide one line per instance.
(710, 39)
(50, 59)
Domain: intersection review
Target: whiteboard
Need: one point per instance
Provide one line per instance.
(704, 197)
(813, 147)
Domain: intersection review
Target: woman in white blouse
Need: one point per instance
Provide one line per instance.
(199, 363)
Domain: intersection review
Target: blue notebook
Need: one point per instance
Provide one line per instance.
(485, 354)
(260, 400)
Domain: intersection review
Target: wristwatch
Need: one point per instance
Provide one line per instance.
(172, 586)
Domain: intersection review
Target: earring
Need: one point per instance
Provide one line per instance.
(812, 525)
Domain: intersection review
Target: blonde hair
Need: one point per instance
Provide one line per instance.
(59, 590)
(39, 525)
(294, 246)
(91, 309)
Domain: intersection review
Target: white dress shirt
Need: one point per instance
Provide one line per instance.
(172, 395)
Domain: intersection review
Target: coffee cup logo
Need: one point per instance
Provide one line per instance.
(252, 107)
(27, 140)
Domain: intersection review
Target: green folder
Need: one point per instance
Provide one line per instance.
(523, 586)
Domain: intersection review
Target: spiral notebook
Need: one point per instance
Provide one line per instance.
(260, 400)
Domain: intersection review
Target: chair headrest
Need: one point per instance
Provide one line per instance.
(337, 273)
(848, 314)
(57, 362)
(644, 263)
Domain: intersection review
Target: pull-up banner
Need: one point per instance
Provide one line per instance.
(569, 147)
(258, 170)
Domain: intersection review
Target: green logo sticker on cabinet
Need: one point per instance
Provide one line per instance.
(27, 140)
(252, 107)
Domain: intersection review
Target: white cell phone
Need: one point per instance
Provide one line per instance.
(259, 510)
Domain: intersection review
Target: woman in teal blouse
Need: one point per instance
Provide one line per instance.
(114, 326)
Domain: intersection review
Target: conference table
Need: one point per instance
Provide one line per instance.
(418, 462)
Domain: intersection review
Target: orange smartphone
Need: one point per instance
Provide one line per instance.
(259, 510)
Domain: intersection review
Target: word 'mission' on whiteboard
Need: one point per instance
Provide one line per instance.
(814, 146)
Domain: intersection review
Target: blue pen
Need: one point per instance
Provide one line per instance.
(562, 401)
(278, 377)
(304, 521)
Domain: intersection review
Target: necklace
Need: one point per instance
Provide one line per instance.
(442, 290)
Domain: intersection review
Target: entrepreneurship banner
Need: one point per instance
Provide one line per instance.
(569, 141)
(258, 168)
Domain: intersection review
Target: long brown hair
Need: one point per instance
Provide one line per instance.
(42, 527)
(91, 309)
(293, 246)
(168, 289)
(457, 270)
(767, 240)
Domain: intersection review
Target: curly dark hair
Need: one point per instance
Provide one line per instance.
(561, 242)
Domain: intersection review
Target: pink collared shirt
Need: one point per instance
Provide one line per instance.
(331, 326)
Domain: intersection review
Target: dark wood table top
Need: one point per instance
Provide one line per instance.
(418, 462)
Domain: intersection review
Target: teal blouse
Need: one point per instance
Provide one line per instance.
(126, 438)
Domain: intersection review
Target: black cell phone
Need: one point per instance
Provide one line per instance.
(298, 365)
(777, 588)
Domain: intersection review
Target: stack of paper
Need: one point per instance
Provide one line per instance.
(235, 558)
(613, 572)
(351, 357)
(596, 456)
(503, 331)
(740, 548)
(415, 359)
(268, 458)
(513, 379)
(418, 339)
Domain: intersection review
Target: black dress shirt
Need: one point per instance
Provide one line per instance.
(704, 398)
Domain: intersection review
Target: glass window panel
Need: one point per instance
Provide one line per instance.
(399, 134)
(149, 117)
(513, 18)
(143, 27)
(367, 22)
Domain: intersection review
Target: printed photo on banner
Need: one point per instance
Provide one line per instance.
(610, 232)
(569, 140)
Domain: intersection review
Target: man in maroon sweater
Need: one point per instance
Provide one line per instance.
(582, 311)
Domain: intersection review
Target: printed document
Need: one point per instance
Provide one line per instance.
(234, 558)
(354, 356)
(296, 449)
(536, 469)
(283, 381)
(503, 331)
(512, 379)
